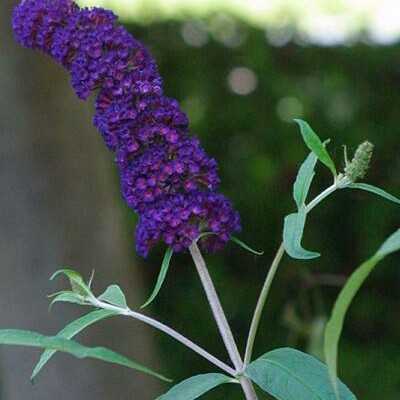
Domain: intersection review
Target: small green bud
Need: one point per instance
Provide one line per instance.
(359, 165)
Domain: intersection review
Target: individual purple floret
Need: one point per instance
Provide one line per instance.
(166, 176)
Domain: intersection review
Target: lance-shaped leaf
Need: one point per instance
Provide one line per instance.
(192, 388)
(32, 339)
(161, 276)
(335, 325)
(303, 180)
(77, 283)
(69, 332)
(67, 296)
(289, 374)
(115, 296)
(235, 240)
(293, 233)
(243, 245)
(315, 144)
(375, 190)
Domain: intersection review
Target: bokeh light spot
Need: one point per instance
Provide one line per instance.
(289, 108)
(242, 80)
(279, 37)
(194, 33)
(226, 31)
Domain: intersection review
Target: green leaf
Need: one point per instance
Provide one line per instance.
(33, 339)
(293, 234)
(161, 276)
(335, 325)
(304, 178)
(390, 245)
(62, 292)
(69, 332)
(234, 239)
(69, 273)
(114, 295)
(314, 143)
(376, 190)
(77, 283)
(289, 374)
(67, 296)
(26, 338)
(194, 387)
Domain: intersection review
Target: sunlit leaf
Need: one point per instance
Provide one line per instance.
(315, 144)
(161, 276)
(114, 295)
(32, 339)
(69, 332)
(293, 233)
(192, 388)
(304, 178)
(289, 374)
(335, 325)
(375, 190)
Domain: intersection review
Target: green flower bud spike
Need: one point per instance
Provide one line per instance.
(359, 165)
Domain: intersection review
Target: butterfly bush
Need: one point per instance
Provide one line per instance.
(171, 183)
(166, 176)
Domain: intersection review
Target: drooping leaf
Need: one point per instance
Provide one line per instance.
(335, 325)
(293, 233)
(192, 388)
(161, 276)
(304, 178)
(77, 283)
(68, 296)
(32, 339)
(373, 189)
(289, 374)
(234, 239)
(69, 332)
(315, 144)
(114, 295)
(61, 292)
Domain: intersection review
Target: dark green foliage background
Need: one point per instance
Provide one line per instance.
(348, 94)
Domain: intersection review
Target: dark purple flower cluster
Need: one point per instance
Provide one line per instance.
(166, 176)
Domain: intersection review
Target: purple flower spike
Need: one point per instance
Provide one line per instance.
(166, 176)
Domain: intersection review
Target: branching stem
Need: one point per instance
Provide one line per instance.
(339, 183)
(166, 329)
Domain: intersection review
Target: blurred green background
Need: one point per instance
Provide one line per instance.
(242, 71)
(241, 86)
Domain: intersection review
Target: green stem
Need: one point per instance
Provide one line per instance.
(339, 183)
(261, 302)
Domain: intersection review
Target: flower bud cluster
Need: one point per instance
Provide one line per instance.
(359, 165)
(166, 176)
